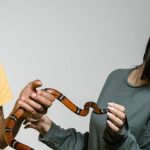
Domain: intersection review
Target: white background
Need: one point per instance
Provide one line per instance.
(71, 46)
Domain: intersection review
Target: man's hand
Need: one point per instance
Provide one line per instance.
(35, 102)
(42, 125)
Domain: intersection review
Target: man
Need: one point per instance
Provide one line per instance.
(34, 101)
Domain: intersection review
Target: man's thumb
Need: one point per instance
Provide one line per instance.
(35, 84)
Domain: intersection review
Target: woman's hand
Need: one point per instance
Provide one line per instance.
(116, 116)
(42, 125)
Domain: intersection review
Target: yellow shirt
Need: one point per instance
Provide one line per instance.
(5, 92)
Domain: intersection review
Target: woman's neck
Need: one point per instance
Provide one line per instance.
(135, 77)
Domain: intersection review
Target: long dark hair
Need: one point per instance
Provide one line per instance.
(146, 61)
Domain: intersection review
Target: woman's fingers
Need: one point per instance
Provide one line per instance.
(116, 112)
(116, 116)
(117, 106)
(116, 121)
(112, 126)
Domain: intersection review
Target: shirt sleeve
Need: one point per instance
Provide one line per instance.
(5, 92)
(58, 138)
(124, 140)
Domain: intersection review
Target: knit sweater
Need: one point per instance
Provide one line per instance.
(135, 135)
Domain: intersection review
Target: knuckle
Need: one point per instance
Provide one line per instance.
(117, 129)
(123, 109)
(121, 124)
(37, 98)
(33, 112)
(49, 96)
(124, 116)
(40, 107)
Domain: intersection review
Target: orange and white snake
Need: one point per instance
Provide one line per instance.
(12, 119)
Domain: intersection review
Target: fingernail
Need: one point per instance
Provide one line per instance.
(110, 104)
(33, 95)
(109, 114)
(108, 121)
(110, 107)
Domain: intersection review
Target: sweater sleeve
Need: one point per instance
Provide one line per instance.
(124, 140)
(58, 138)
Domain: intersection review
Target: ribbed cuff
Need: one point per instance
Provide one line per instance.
(114, 139)
(50, 138)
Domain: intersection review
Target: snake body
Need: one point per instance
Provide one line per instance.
(21, 113)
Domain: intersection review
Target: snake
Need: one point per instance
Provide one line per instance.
(21, 113)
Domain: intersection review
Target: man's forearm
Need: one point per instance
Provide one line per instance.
(3, 143)
(2, 124)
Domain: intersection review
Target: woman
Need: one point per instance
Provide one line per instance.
(29, 98)
(126, 126)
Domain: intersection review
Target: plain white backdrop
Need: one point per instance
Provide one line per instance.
(71, 46)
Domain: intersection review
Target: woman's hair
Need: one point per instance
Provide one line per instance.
(146, 61)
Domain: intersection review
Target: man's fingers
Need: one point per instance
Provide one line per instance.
(35, 105)
(47, 95)
(41, 100)
(30, 88)
(29, 109)
(51, 91)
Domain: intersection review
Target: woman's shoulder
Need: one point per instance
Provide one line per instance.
(119, 72)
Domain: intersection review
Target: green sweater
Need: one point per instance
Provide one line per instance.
(135, 135)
